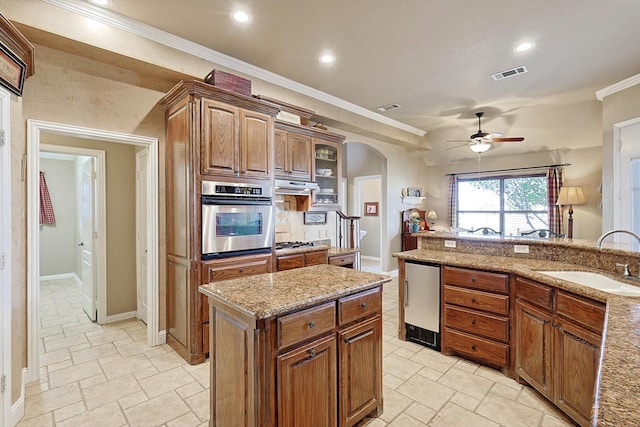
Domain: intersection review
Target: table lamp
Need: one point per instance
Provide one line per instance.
(432, 216)
(571, 196)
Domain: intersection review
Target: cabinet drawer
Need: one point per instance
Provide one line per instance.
(536, 293)
(491, 352)
(477, 323)
(476, 299)
(483, 280)
(306, 324)
(289, 262)
(214, 271)
(359, 305)
(313, 258)
(343, 259)
(584, 311)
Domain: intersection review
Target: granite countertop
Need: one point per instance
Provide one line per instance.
(618, 384)
(302, 250)
(272, 294)
(334, 251)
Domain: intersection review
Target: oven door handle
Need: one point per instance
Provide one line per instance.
(254, 201)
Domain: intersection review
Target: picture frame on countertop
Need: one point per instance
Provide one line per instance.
(315, 218)
(12, 70)
(371, 208)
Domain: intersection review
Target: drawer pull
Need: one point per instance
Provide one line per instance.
(473, 300)
(473, 347)
(473, 280)
(363, 305)
(312, 353)
(241, 270)
(312, 324)
(473, 321)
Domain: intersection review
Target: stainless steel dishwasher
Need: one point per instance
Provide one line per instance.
(422, 303)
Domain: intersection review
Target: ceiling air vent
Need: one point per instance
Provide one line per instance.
(509, 73)
(388, 107)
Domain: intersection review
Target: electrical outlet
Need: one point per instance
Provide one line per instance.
(521, 249)
(449, 243)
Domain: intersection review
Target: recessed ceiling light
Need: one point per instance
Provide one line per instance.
(102, 3)
(327, 58)
(241, 16)
(523, 47)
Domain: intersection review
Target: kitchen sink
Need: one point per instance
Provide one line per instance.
(596, 281)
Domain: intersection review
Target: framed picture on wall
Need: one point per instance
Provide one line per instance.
(315, 218)
(12, 71)
(371, 208)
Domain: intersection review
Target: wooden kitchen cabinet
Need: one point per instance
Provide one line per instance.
(557, 344)
(343, 260)
(327, 173)
(298, 260)
(476, 315)
(292, 155)
(235, 142)
(211, 133)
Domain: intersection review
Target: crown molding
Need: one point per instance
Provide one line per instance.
(171, 40)
(617, 87)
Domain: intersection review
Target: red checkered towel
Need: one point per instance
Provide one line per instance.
(46, 208)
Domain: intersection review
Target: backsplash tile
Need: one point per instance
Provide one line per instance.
(290, 226)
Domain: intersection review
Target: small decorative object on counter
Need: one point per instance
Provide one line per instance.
(415, 221)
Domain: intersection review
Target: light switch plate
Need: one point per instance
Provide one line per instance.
(449, 243)
(521, 249)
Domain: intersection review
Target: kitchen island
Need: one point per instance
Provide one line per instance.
(297, 347)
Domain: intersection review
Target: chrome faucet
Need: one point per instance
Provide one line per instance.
(608, 233)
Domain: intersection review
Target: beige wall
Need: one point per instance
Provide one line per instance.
(121, 218)
(585, 171)
(616, 108)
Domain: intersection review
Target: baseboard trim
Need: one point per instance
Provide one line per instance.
(122, 316)
(161, 337)
(372, 258)
(17, 409)
(392, 273)
(59, 276)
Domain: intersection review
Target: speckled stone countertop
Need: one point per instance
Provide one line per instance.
(272, 294)
(302, 250)
(618, 384)
(342, 251)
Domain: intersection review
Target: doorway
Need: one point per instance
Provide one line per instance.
(35, 131)
(368, 189)
(626, 178)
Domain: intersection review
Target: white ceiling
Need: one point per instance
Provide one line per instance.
(432, 57)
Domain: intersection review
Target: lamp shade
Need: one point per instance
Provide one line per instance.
(432, 215)
(571, 196)
(479, 147)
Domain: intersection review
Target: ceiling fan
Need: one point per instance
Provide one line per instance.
(481, 141)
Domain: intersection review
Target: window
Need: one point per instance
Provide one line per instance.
(509, 204)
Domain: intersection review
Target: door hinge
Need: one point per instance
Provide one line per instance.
(3, 137)
(3, 259)
(3, 385)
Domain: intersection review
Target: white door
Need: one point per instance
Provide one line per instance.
(88, 235)
(627, 190)
(141, 233)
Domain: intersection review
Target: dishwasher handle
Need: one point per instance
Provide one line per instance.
(406, 292)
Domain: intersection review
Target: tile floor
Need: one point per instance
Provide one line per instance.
(93, 375)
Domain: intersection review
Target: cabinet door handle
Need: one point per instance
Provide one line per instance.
(473, 321)
(406, 292)
(312, 324)
(473, 347)
(312, 353)
(363, 305)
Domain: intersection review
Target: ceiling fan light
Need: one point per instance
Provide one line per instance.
(480, 147)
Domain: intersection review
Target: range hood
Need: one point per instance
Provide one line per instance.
(296, 188)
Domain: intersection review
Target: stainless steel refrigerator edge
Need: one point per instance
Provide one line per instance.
(422, 303)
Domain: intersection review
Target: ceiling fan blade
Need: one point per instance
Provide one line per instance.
(459, 140)
(457, 146)
(516, 139)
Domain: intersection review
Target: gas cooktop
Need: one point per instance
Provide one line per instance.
(292, 245)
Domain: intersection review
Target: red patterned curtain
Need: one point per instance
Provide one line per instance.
(46, 208)
(453, 196)
(555, 180)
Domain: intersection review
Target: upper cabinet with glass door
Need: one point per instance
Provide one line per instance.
(327, 168)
